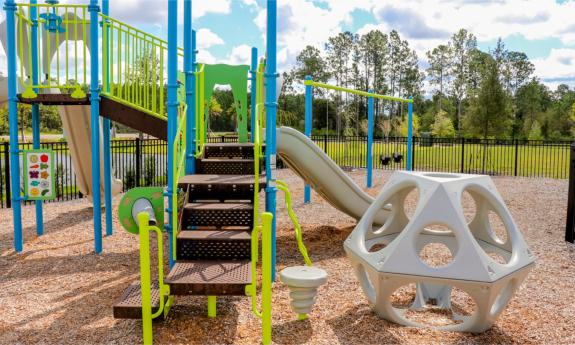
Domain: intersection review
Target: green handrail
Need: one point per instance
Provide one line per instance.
(200, 110)
(281, 185)
(146, 280)
(178, 170)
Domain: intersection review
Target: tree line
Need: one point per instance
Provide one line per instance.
(470, 93)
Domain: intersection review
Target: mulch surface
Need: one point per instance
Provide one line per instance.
(59, 292)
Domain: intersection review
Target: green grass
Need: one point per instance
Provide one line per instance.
(527, 160)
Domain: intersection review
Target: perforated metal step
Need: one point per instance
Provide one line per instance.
(220, 187)
(229, 150)
(217, 214)
(129, 306)
(212, 278)
(218, 166)
(214, 245)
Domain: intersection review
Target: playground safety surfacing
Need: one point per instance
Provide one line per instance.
(57, 291)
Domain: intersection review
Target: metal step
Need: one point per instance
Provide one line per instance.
(214, 245)
(219, 166)
(229, 150)
(129, 306)
(217, 215)
(209, 278)
(220, 187)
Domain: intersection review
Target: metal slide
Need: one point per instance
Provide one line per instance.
(307, 160)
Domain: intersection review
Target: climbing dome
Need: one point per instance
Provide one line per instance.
(438, 249)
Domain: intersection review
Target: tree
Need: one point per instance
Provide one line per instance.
(463, 43)
(310, 62)
(439, 70)
(490, 114)
(531, 100)
(443, 127)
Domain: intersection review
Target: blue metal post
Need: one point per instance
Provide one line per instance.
(409, 134)
(10, 8)
(36, 107)
(172, 107)
(106, 124)
(94, 8)
(308, 127)
(253, 79)
(370, 124)
(271, 112)
(189, 68)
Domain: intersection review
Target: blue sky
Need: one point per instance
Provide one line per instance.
(227, 29)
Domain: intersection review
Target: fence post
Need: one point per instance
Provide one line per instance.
(138, 161)
(325, 144)
(516, 156)
(7, 174)
(570, 228)
(462, 155)
(412, 141)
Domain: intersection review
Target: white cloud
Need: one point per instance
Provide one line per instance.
(240, 55)
(557, 68)
(156, 11)
(207, 38)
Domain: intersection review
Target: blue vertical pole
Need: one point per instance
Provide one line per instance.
(36, 107)
(172, 107)
(106, 124)
(189, 68)
(253, 79)
(370, 124)
(94, 8)
(271, 112)
(10, 8)
(308, 127)
(409, 134)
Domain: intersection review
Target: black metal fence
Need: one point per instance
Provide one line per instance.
(144, 162)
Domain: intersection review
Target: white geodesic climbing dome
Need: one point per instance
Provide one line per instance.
(487, 266)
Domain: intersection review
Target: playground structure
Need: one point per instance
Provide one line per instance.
(214, 223)
(489, 268)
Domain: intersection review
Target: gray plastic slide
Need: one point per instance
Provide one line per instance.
(316, 168)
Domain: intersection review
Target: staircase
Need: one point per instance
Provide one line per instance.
(213, 248)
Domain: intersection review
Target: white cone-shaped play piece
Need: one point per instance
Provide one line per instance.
(303, 282)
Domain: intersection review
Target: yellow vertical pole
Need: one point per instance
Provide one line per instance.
(267, 278)
(212, 306)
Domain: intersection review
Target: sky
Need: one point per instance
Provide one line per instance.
(227, 29)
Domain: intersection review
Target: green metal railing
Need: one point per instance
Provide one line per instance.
(136, 67)
(262, 226)
(178, 170)
(146, 280)
(200, 111)
(62, 47)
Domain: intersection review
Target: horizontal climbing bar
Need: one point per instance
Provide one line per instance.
(356, 92)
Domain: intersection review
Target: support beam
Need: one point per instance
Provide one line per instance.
(409, 163)
(370, 124)
(172, 111)
(10, 8)
(36, 107)
(271, 112)
(189, 69)
(106, 127)
(94, 9)
(212, 306)
(308, 127)
(253, 80)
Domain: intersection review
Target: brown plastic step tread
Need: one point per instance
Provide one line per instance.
(129, 306)
(219, 179)
(55, 99)
(212, 278)
(219, 206)
(214, 235)
(229, 145)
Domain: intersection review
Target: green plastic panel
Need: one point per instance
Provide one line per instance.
(156, 197)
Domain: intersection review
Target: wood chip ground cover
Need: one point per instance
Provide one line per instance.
(58, 292)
